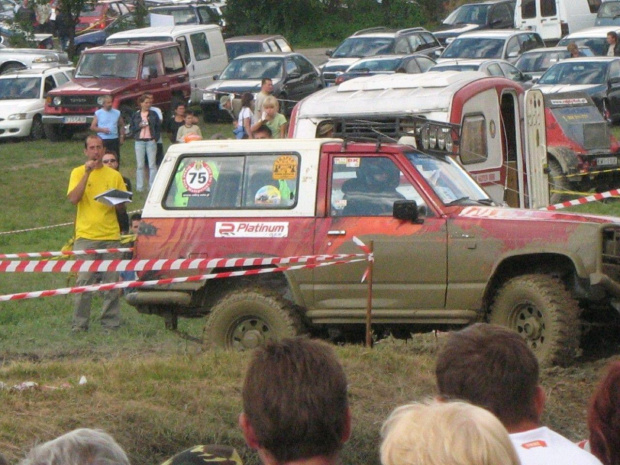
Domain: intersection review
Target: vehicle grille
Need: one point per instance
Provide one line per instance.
(79, 101)
(611, 253)
(330, 75)
(596, 135)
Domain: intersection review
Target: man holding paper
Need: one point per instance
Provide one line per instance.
(96, 227)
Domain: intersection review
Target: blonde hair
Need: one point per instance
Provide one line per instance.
(271, 101)
(445, 433)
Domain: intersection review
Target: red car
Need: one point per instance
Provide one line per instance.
(95, 16)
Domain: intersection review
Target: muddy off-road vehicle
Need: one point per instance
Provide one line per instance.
(445, 256)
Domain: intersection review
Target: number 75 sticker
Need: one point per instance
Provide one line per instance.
(197, 177)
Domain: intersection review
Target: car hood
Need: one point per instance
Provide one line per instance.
(9, 107)
(101, 85)
(535, 215)
(447, 30)
(238, 85)
(339, 63)
(555, 88)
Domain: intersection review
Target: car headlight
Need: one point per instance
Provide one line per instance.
(101, 99)
(209, 96)
(44, 60)
(17, 116)
(56, 101)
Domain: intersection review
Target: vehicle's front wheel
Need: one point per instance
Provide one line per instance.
(542, 311)
(247, 318)
(36, 130)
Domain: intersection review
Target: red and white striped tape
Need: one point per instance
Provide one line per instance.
(135, 284)
(101, 266)
(62, 253)
(584, 200)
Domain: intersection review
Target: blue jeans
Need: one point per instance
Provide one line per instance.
(145, 150)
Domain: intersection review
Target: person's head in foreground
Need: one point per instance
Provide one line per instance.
(79, 447)
(604, 417)
(295, 405)
(492, 367)
(262, 132)
(445, 433)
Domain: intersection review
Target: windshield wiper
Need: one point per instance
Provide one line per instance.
(456, 201)
(485, 201)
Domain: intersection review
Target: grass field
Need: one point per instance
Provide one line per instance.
(154, 390)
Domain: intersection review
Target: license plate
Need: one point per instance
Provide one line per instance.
(74, 119)
(607, 161)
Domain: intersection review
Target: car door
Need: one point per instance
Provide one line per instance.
(614, 89)
(513, 49)
(310, 78)
(401, 248)
(154, 78)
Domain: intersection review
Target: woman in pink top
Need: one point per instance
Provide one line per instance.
(145, 127)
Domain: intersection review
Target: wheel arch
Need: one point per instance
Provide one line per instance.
(566, 158)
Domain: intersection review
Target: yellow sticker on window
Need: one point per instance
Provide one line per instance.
(285, 168)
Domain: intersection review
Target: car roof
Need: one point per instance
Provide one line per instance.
(592, 59)
(36, 72)
(130, 46)
(599, 31)
(162, 30)
(466, 61)
(552, 49)
(495, 33)
(254, 38)
(268, 55)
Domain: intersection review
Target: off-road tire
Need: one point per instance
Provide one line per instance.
(542, 311)
(55, 132)
(247, 318)
(557, 182)
(36, 130)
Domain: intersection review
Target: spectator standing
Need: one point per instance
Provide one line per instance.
(266, 89)
(79, 447)
(271, 117)
(64, 25)
(613, 49)
(110, 159)
(295, 406)
(108, 124)
(246, 118)
(160, 142)
(492, 367)
(145, 127)
(96, 227)
(189, 128)
(177, 120)
(445, 433)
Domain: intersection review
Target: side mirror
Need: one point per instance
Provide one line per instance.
(216, 77)
(329, 52)
(438, 53)
(406, 210)
(527, 77)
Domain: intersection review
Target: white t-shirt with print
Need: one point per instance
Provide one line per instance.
(541, 446)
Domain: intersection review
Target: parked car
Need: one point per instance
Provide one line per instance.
(199, 13)
(536, 62)
(22, 100)
(7, 9)
(599, 77)
(378, 41)
(595, 38)
(98, 15)
(492, 14)
(504, 44)
(10, 32)
(12, 59)
(294, 77)
(608, 14)
(489, 67)
(387, 64)
(123, 72)
(242, 45)
(96, 38)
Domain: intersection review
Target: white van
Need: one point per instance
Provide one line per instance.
(202, 44)
(553, 19)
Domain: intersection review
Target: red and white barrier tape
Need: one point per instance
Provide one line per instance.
(135, 284)
(584, 200)
(101, 266)
(63, 253)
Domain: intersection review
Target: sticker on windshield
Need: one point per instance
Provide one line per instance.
(285, 168)
(197, 177)
(349, 162)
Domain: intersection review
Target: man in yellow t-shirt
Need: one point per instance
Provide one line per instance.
(96, 227)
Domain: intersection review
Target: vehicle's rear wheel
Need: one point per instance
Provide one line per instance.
(36, 130)
(558, 183)
(542, 311)
(56, 132)
(247, 318)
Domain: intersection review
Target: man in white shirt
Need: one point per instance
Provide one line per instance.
(492, 367)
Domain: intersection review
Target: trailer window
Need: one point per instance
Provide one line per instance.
(528, 9)
(474, 140)
(548, 8)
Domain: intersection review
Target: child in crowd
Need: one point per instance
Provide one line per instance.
(189, 128)
(271, 117)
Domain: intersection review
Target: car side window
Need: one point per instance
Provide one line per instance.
(614, 70)
(594, 5)
(182, 41)
(411, 67)
(284, 46)
(153, 64)
(511, 72)
(424, 63)
(272, 46)
(48, 85)
(291, 67)
(495, 70)
(501, 14)
(266, 47)
(415, 43)
(528, 9)
(60, 79)
(548, 8)
(368, 186)
(513, 48)
(172, 60)
(206, 15)
(474, 140)
(304, 65)
(234, 181)
(401, 46)
(430, 40)
(200, 45)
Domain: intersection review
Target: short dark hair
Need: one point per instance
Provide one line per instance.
(189, 113)
(295, 399)
(613, 34)
(136, 217)
(263, 81)
(89, 137)
(111, 152)
(492, 367)
(246, 99)
(263, 128)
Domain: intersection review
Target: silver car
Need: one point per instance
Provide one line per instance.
(12, 59)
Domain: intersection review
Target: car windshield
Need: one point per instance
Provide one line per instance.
(598, 45)
(236, 49)
(532, 62)
(108, 65)
(609, 10)
(376, 65)
(474, 47)
(253, 68)
(455, 67)
(364, 47)
(20, 88)
(468, 14)
(448, 179)
(92, 9)
(575, 72)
